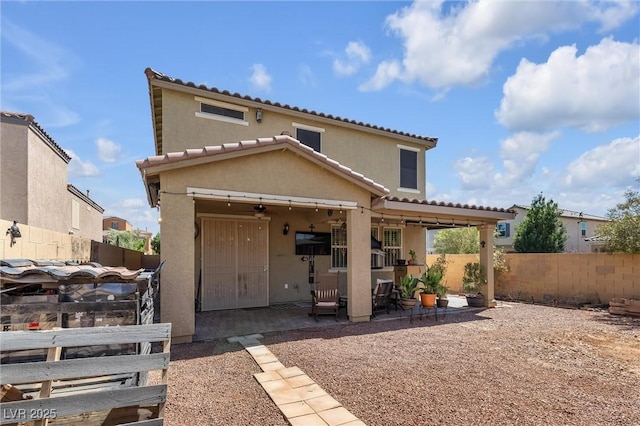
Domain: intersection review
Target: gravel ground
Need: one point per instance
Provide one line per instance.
(516, 364)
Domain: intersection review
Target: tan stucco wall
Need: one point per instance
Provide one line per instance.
(375, 156)
(48, 198)
(13, 172)
(275, 172)
(566, 277)
(33, 185)
(38, 243)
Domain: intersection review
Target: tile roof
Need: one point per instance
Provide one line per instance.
(30, 120)
(84, 197)
(211, 151)
(27, 271)
(153, 74)
(444, 204)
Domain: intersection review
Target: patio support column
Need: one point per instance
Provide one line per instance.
(486, 259)
(178, 277)
(359, 265)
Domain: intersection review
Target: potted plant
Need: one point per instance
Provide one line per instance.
(473, 282)
(414, 259)
(430, 279)
(408, 287)
(442, 300)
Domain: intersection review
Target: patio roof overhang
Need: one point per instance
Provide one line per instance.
(436, 214)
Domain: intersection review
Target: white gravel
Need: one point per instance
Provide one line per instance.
(516, 364)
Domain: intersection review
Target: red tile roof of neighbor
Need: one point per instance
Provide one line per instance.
(153, 74)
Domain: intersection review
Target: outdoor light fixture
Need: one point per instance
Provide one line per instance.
(14, 232)
(482, 243)
(285, 229)
(259, 115)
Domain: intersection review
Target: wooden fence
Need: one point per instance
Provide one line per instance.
(82, 390)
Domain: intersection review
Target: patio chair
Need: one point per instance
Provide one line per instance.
(325, 298)
(381, 297)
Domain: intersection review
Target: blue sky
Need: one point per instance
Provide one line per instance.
(525, 97)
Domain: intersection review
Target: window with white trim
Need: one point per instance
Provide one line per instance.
(408, 168)
(338, 246)
(392, 245)
(309, 135)
(503, 230)
(75, 214)
(583, 229)
(221, 111)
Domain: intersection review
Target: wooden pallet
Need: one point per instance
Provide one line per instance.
(624, 307)
(92, 399)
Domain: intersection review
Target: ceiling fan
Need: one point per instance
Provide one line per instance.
(259, 211)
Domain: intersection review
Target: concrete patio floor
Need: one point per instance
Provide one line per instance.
(292, 316)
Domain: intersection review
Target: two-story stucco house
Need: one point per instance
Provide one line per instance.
(33, 182)
(246, 186)
(580, 229)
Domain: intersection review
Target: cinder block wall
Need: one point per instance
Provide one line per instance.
(565, 278)
(38, 243)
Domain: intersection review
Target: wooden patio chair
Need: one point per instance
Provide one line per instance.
(381, 297)
(325, 298)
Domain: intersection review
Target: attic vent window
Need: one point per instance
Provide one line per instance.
(221, 111)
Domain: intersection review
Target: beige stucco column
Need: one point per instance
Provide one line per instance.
(359, 265)
(486, 259)
(178, 276)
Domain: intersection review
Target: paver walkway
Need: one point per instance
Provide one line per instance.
(296, 395)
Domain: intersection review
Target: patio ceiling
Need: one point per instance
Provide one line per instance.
(435, 214)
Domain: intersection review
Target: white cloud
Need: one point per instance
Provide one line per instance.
(520, 154)
(475, 173)
(457, 43)
(387, 72)
(357, 54)
(591, 92)
(79, 168)
(107, 150)
(615, 164)
(307, 76)
(260, 78)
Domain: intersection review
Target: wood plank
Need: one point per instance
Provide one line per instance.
(53, 354)
(71, 405)
(117, 416)
(30, 372)
(86, 336)
(68, 307)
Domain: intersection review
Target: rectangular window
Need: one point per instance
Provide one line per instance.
(392, 245)
(408, 169)
(583, 229)
(503, 230)
(338, 247)
(221, 111)
(75, 214)
(225, 112)
(114, 225)
(310, 136)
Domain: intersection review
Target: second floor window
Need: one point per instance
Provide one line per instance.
(408, 169)
(583, 229)
(503, 230)
(218, 110)
(309, 135)
(114, 225)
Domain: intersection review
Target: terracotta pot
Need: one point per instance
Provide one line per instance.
(428, 300)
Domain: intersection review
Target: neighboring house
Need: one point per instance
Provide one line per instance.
(33, 182)
(246, 187)
(580, 230)
(120, 224)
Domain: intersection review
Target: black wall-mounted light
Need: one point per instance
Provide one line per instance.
(14, 232)
(482, 243)
(285, 229)
(259, 115)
